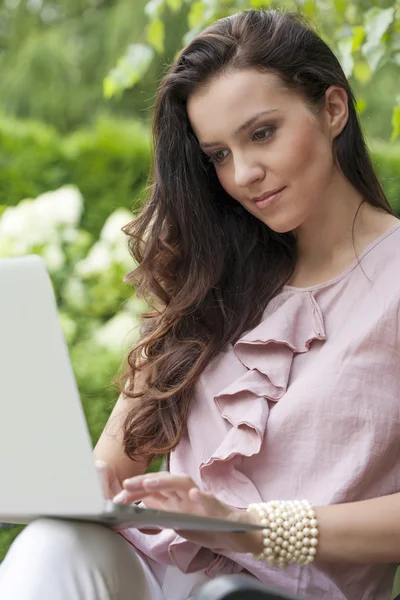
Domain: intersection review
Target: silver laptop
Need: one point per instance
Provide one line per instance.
(46, 463)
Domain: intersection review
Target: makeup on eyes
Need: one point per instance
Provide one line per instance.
(269, 130)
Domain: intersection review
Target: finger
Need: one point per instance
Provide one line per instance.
(161, 480)
(210, 504)
(127, 497)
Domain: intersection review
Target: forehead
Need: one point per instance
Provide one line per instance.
(232, 98)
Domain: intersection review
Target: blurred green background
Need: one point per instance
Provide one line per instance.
(77, 86)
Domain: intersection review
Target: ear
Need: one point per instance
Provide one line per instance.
(336, 110)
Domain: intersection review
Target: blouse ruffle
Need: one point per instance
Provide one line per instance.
(290, 326)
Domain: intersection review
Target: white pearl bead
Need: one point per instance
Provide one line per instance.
(280, 531)
(289, 556)
(286, 524)
(286, 535)
(299, 525)
(282, 552)
(314, 531)
(312, 551)
(306, 522)
(267, 542)
(307, 531)
(296, 553)
(293, 539)
(273, 525)
(299, 535)
(313, 542)
(267, 551)
(304, 550)
(285, 544)
(291, 548)
(306, 541)
(313, 523)
(279, 541)
(273, 535)
(299, 545)
(279, 521)
(293, 531)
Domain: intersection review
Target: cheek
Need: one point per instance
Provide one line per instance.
(308, 156)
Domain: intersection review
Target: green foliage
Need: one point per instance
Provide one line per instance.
(386, 158)
(365, 36)
(108, 162)
(54, 56)
(133, 65)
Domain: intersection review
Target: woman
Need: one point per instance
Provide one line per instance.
(267, 369)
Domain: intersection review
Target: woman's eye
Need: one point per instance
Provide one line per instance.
(218, 156)
(263, 134)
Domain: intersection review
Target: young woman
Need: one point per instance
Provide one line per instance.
(268, 370)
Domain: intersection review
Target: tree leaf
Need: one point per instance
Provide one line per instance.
(174, 5)
(362, 71)
(358, 36)
(395, 123)
(129, 70)
(374, 53)
(361, 105)
(155, 34)
(154, 8)
(196, 14)
(377, 22)
(345, 48)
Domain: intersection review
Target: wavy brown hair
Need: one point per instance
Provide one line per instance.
(208, 265)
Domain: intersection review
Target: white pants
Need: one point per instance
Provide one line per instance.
(59, 560)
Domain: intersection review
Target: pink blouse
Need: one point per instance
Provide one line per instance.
(306, 405)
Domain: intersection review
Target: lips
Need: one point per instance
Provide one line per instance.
(267, 195)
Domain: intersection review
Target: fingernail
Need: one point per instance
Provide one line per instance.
(121, 497)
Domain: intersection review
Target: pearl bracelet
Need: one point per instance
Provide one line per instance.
(290, 534)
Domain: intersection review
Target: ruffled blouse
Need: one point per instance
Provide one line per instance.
(305, 405)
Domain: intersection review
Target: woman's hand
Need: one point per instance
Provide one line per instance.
(179, 493)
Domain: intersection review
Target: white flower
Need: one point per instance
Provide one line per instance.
(111, 231)
(42, 221)
(74, 294)
(54, 257)
(61, 207)
(119, 333)
(98, 260)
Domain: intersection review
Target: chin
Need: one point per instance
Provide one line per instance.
(280, 225)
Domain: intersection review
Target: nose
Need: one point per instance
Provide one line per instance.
(247, 172)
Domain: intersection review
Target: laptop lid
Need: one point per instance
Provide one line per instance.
(46, 461)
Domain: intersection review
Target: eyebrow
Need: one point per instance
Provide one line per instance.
(241, 128)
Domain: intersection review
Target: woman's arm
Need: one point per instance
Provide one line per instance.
(109, 448)
(367, 531)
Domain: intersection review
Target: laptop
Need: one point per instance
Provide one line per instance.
(47, 467)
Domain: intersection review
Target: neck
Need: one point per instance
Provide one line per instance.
(330, 239)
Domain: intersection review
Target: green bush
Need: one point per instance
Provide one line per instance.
(109, 163)
(386, 159)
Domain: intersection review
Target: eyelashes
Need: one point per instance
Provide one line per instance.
(260, 135)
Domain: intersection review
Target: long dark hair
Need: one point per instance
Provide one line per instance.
(209, 266)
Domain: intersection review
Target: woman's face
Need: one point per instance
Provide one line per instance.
(263, 138)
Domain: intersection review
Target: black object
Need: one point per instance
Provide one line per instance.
(240, 587)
